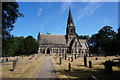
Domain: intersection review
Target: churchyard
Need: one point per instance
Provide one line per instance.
(26, 66)
(69, 66)
(74, 68)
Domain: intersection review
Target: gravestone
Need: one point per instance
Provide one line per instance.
(6, 59)
(22, 56)
(62, 56)
(71, 59)
(37, 57)
(105, 55)
(75, 56)
(90, 64)
(78, 56)
(65, 57)
(69, 67)
(60, 60)
(3, 60)
(108, 66)
(96, 58)
(85, 60)
(17, 59)
(117, 55)
(14, 65)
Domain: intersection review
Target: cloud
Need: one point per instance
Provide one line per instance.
(88, 10)
(65, 6)
(39, 11)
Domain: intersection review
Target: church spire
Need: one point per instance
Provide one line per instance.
(70, 19)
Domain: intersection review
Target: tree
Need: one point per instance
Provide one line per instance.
(12, 45)
(29, 46)
(10, 13)
(16, 44)
(102, 41)
(118, 34)
(82, 36)
(48, 33)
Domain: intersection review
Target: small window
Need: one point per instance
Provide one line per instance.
(71, 30)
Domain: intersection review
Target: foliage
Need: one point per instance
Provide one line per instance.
(118, 34)
(29, 46)
(48, 33)
(20, 45)
(104, 42)
(11, 46)
(10, 13)
(82, 36)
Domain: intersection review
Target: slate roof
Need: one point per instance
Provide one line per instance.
(52, 39)
(59, 40)
(84, 43)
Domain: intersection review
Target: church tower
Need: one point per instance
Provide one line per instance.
(70, 30)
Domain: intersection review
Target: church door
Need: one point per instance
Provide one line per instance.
(48, 51)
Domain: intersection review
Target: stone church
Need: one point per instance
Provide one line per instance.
(69, 43)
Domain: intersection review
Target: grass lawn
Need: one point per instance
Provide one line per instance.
(24, 69)
(78, 71)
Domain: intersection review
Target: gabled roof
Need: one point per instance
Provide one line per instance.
(84, 43)
(52, 39)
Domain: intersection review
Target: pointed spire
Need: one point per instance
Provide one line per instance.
(70, 19)
(38, 36)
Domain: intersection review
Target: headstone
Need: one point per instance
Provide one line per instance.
(60, 60)
(105, 55)
(90, 64)
(78, 56)
(96, 58)
(6, 59)
(69, 67)
(17, 59)
(3, 60)
(108, 66)
(89, 55)
(71, 59)
(117, 55)
(14, 65)
(65, 57)
(75, 56)
(62, 56)
(22, 56)
(85, 60)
